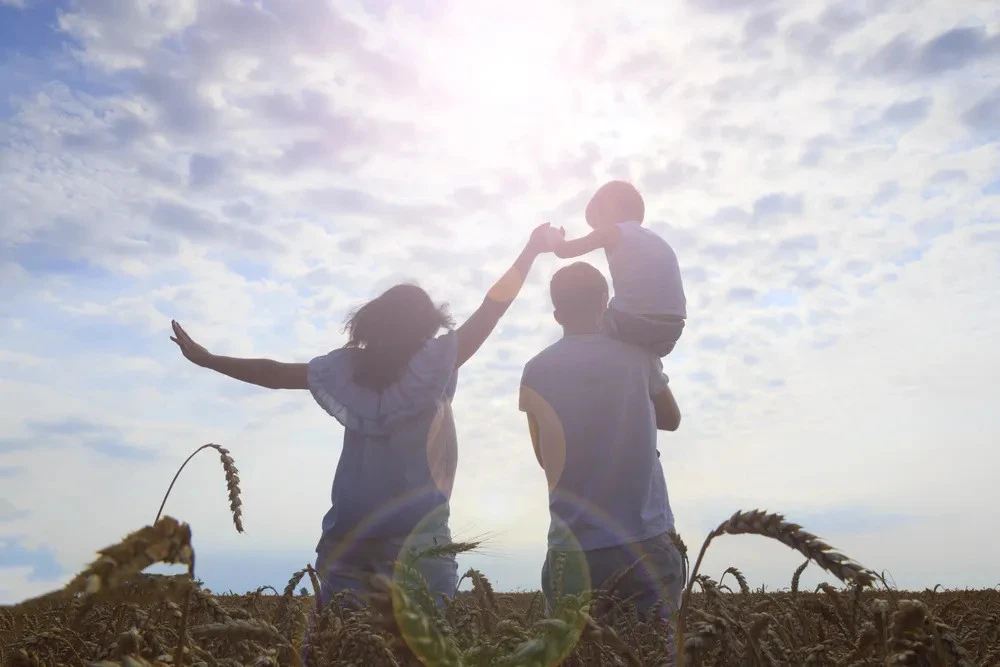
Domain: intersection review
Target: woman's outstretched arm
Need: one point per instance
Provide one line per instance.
(475, 330)
(261, 372)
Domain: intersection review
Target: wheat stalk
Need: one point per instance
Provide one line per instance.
(167, 541)
(134, 619)
(760, 522)
(798, 574)
(232, 483)
(255, 630)
(740, 579)
(417, 628)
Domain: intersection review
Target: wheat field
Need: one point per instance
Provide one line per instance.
(112, 613)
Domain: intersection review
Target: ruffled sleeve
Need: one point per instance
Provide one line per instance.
(430, 377)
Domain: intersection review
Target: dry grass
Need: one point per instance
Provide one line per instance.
(113, 614)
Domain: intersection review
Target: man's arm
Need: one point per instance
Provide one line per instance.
(525, 404)
(668, 415)
(605, 237)
(533, 430)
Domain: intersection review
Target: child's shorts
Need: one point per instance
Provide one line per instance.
(656, 333)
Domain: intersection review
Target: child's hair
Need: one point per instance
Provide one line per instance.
(388, 330)
(614, 202)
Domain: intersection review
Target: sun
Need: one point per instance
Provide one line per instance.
(497, 73)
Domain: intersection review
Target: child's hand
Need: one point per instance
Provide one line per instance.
(544, 238)
(556, 237)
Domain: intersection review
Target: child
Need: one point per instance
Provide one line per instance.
(648, 308)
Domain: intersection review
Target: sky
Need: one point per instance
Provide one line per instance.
(827, 172)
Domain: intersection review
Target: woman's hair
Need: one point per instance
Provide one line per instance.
(388, 330)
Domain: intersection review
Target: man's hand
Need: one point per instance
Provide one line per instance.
(191, 350)
(668, 415)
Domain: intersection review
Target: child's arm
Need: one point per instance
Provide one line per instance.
(261, 372)
(605, 237)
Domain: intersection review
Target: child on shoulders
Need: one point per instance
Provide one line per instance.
(648, 308)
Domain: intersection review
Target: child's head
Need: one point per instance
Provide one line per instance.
(615, 202)
(388, 330)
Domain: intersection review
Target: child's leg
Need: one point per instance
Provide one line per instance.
(656, 333)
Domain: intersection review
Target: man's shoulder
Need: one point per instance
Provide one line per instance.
(583, 349)
(543, 357)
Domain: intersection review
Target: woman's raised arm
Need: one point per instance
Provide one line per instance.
(475, 330)
(261, 372)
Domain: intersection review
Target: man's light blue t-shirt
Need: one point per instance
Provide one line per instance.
(591, 396)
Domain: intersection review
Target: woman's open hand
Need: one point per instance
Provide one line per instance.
(191, 350)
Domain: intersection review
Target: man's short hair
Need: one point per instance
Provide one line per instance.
(578, 289)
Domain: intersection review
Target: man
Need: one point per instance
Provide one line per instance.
(594, 405)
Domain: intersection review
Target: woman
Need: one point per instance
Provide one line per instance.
(391, 387)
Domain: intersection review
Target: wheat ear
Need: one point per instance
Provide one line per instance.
(767, 524)
(740, 579)
(168, 541)
(232, 483)
(253, 629)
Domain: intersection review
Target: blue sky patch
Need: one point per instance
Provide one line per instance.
(42, 561)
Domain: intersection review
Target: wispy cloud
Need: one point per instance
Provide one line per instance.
(826, 172)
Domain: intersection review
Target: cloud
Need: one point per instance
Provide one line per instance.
(983, 116)
(724, 5)
(99, 438)
(887, 191)
(777, 204)
(794, 246)
(257, 171)
(815, 148)
(760, 26)
(986, 236)
(957, 48)
(909, 112)
(205, 170)
(951, 50)
(672, 175)
(702, 377)
(7, 509)
(949, 176)
(741, 294)
(843, 17)
(713, 342)
(41, 561)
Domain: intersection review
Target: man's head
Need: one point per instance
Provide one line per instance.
(615, 202)
(579, 296)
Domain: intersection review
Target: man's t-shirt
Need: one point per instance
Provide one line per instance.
(597, 430)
